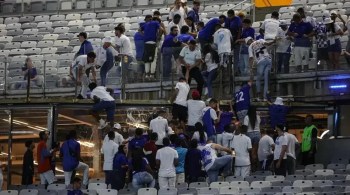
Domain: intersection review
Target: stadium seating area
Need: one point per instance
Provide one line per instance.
(51, 40)
(313, 179)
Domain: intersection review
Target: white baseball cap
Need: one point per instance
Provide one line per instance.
(278, 101)
(327, 21)
(248, 39)
(107, 40)
(117, 126)
(183, 1)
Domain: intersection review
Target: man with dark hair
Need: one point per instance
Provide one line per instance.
(150, 150)
(247, 31)
(174, 22)
(103, 100)
(194, 12)
(70, 152)
(170, 49)
(205, 35)
(28, 164)
(137, 142)
(123, 47)
(80, 71)
(86, 46)
(222, 41)
(76, 187)
(191, 58)
(242, 101)
(109, 149)
(167, 160)
(265, 149)
(184, 36)
(159, 125)
(234, 24)
(43, 159)
(210, 118)
(309, 142)
(150, 30)
(270, 27)
(195, 107)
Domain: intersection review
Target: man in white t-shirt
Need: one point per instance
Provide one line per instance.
(190, 57)
(109, 149)
(258, 52)
(270, 27)
(178, 9)
(195, 108)
(80, 71)
(175, 22)
(280, 152)
(214, 164)
(293, 145)
(222, 40)
(242, 146)
(182, 88)
(123, 47)
(118, 138)
(159, 125)
(167, 159)
(265, 153)
(103, 101)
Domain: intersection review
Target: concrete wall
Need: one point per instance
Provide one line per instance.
(332, 149)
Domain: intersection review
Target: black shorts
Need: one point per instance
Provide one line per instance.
(179, 112)
(149, 52)
(322, 53)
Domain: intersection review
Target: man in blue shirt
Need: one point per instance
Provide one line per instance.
(70, 151)
(137, 142)
(247, 31)
(234, 24)
(205, 35)
(86, 46)
(210, 118)
(242, 101)
(302, 33)
(168, 50)
(150, 32)
(140, 49)
(194, 12)
(278, 112)
(184, 36)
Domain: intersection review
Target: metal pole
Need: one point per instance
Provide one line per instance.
(28, 84)
(122, 79)
(95, 6)
(44, 84)
(5, 83)
(9, 149)
(76, 81)
(160, 57)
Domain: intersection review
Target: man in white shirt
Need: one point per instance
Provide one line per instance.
(222, 40)
(190, 57)
(242, 146)
(159, 125)
(270, 27)
(182, 89)
(119, 139)
(103, 101)
(293, 145)
(109, 149)
(80, 70)
(214, 164)
(258, 53)
(195, 108)
(280, 153)
(123, 47)
(178, 9)
(283, 48)
(265, 153)
(175, 22)
(105, 58)
(167, 160)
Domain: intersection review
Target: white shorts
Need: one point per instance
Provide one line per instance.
(301, 56)
(242, 171)
(47, 177)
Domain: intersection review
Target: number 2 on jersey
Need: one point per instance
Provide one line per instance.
(239, 97)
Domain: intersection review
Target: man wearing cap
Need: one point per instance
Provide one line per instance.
(80, 70)
(258, 53)
(118, 139)
(103, 101)
(195, 107)
(85, 46)
(123, 47)
(301, 32)
(278, 112)
(283, 48)
(191, 58)
(105, 58)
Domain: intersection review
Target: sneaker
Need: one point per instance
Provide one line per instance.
(102, 124)
(80, 97)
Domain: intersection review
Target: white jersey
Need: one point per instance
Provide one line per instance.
(270, 26)
(123, 45)
(222, 38)
(101, 55)
(258, 50)
(208, 156)
(102, 94)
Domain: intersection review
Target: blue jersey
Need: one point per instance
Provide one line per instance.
(242, 98)
(139, 45)
(185, 38)
(225, 119)
(208, 122)
(137, 143)
(278, 114)
(150, 31)
(209, 29)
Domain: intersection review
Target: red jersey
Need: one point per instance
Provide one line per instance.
(43, 158)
